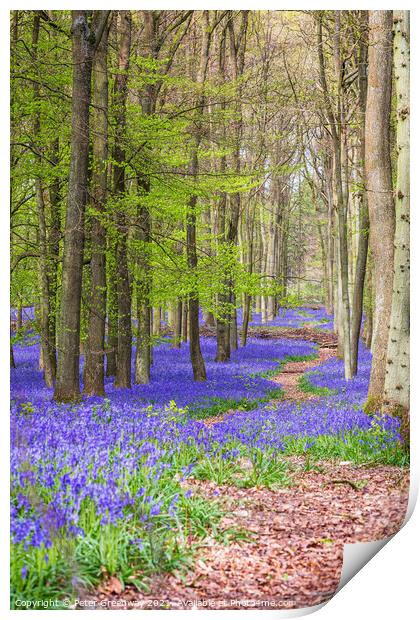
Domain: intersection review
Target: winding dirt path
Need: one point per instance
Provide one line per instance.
(288, 380)
(291, 372)
(291, 555)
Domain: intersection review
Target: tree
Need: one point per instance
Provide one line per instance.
(84, 40)
(95, 349)
(197, 361)
(380, 193)
(363, 232)
(397, 375)
(337, 128)
(123, 371)
(48, 366)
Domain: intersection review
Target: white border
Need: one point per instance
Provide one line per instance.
(387, 586)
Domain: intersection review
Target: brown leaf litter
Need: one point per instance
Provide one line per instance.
(293, 557)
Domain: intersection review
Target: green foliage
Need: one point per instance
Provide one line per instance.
(269, 469)
(304, 384)
(218, 406)
(362, 447)
(287, 358)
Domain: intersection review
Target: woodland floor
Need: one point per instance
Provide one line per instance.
(290, 552)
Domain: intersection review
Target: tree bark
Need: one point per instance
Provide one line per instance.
(143, 288)
(197, 361)
(363, 231)
(44, 297)
(379, 192)
(54, 252)
(123, 371)
(337, 127)
(397, 376)
(185, 320)
(177, 337)
(67, 385)
(95, 349)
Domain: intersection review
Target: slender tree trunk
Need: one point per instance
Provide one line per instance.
(330, 245)
(95, 350)
(177, 337)
(19, 317)
(197, 361)
(67, 385)
(157, 320)
(54, 251)
(223, 314)
(143, 288)
(379, 192)
(363, 216)
(112, 311)
(44, 297)
(397, 377)
(185, 320)
(123, 372)
(233, 330)
(337, 128)
(12, 357)
(367, 304)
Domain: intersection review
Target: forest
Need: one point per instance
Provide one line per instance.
(209, 302)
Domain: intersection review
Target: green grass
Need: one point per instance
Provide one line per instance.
(305, 385)
(262, 469)
(219, 406)
(273, 372)
(367, 447)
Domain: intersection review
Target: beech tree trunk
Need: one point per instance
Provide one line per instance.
(177, 330)
(44, 297)
(67, 385)
(379, 193)
(363, 217)
(197, 361)
(143, 289)
(397, 376)
(112, 311)
(95, 347)
(338, 128)
(54, 251)
(123, 372)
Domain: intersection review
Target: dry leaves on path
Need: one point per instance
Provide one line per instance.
(294, 555)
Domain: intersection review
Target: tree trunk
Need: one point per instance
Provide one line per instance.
(363, 217)
(44, 297)
(177, 336)
(379, 192)
(197, 361)
(367, 303)
(95, 349)
(397, 377)
(223, 315)
(233, 331)
(19, 317)
(123, 372)
(54, 251)
(338, 129)
(245, 319)
(67, 386)
(112, 311)
(156, 321)
(143, 288)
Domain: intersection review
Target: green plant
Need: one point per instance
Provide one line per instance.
(268, 470)
(306, 386)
